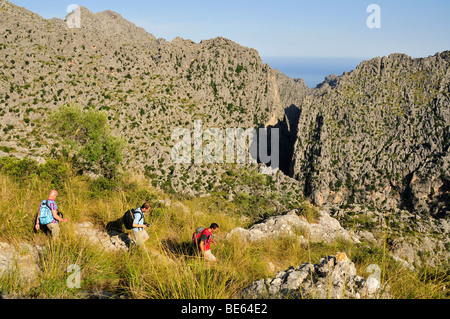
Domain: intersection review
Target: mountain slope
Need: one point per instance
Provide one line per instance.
(148, 86)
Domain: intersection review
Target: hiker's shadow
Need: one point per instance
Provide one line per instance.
(115, 228)
(175, 247)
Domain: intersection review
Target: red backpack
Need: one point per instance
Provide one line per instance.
(196, 235)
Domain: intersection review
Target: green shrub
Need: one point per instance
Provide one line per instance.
(23, 169)
(102, 184)
(88, 141)
(253, 205)
(310, 212)
(6, 149)
(54, 172)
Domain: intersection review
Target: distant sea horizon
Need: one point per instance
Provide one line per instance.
(312, 70)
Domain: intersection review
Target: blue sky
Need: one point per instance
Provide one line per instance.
(285, 28)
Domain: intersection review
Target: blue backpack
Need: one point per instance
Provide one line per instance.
(45, 213)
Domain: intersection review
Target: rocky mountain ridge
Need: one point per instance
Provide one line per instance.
(147, 86)
(110, 64)
(379, 135)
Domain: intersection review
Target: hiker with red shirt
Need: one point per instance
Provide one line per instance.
(206, 240)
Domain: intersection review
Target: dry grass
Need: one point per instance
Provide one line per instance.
(168, 267)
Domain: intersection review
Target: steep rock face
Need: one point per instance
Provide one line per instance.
(379, 136)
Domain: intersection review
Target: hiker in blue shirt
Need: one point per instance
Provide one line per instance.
(139, 225)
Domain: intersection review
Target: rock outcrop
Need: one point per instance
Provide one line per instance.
(326, 229)
(413, 239)
(112, 240)
(19, 261)
(334, 277)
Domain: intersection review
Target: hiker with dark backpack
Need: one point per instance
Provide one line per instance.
(137, 223)
(48, 216)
